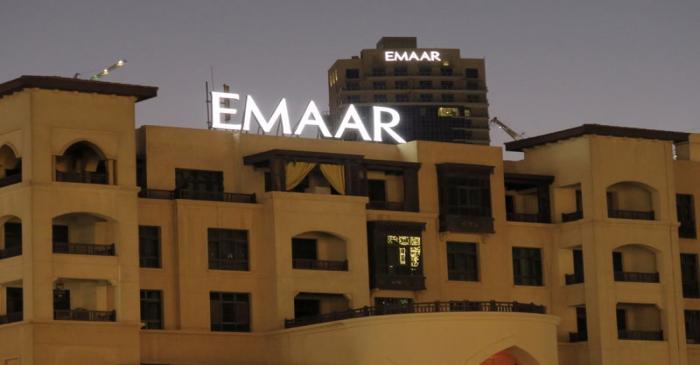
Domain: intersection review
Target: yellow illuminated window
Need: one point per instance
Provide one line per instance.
(447, 112)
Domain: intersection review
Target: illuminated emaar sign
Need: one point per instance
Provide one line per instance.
(396, 56)
(311, 117)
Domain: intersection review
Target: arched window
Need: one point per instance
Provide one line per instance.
(82, 162)
(630, 200)
(319, 251)
(10, 166)
(635, 263)
(83, 234)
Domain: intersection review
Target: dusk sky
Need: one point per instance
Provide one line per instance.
(550, 64)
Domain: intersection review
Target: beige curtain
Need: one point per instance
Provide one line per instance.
(335, 174)
(296, 172)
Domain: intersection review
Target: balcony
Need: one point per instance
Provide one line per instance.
(197, 195)
(578, 336)
(400, 281)
(80, 314)
(575, 278)
(84, 249)
(630, 214)
(640, 335)
(573, 216)
(11, 317)
(10, 252)
(10, 179)
(228, 264)
(524, 217)
(637, 277)
(435, 307)
(328, 265)
(82, 177)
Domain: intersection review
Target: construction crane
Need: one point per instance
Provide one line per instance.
(512, 133)
(119, 64)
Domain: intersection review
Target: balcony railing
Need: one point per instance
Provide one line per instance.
(84, 249)
(228, 264)
(84, 315)
(197, 195)
(466, 224)
(691, 289)
(578, 336)
(82, 177)
(630, 214)
(400, 281)
(640, 335)
(10, 179)
(575, 278)
(435, 307)
(637, 277)
(382, 205)
(11, 317)
(306, 264)
(10, 252)
(525, 217)
(573, 216)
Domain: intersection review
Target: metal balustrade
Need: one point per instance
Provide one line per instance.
(640, 335)
(329, 265)
(638, 277)
(82, 177)
(630, 214)
(80, 314)
(84, 249)
(197, 195)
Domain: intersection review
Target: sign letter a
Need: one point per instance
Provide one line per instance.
(352, 120)
(313, 117)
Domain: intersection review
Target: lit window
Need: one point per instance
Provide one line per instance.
(446, 112)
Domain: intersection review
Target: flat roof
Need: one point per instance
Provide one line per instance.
(596, 129)
(70, 84)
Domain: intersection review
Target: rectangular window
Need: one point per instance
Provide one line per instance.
(59, 233)
(377, 71)
(352, 85)
(354, 98)
(380, 98)
(352, 73)
(469, 196)
(426, 97)
(401, 84)
(446, 71)
(230, 312)
(149, 246)
(400, 71)
(473, 99)
(527, 266)
(425, 84)
(692, 326)
(404, 255)
(376, 190)
(581, 325)
(447, 85)
(447, 112)
(462, 261)
(304, 248)
(425, 70)
(471, 73)
(689, 275)
(189, 180)
(579, 201)
(379, 85)
(402, 97)
(621, 315)
(448, 98)
(152, 309)
(686, 215)
(471, 85)
(228, 249)
(14, 300)
(617, 261)
(13, 236)
(306, 307)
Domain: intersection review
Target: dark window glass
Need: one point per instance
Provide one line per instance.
(60, 233)
(404, 255)
(376, 190)
(581, 325)
(621, 315)
(386, 301)
(426, 97)
(14, 302)
(199, 180)
(152, 309)
(510, 204)
(462, 261)
(689, 275)
(352, 73)
(304, 248)
(228, 249)
(377, 71)
(686, 215)
(61, 299)
(472, 85)
(471, 73)
(469, 196)
(306, 307)
(380, 98)
(149, 246)
(141, 172)
(402, 97)
(425, 84)
(448, 97)
(527, 266)
(401, 84)
(578, 262)
(446, 71)
(230, 312)
(352, 85)
(692, 326)
(13, 235)
(579, 201)
(447, 84)
(353, 98)
(473, 98)
(379, 85)
(425, 70)
(617, 261)
(400, 71)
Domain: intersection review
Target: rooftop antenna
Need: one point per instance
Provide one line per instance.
(512, 133)
(105, 72)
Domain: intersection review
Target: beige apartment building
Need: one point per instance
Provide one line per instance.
(440, 95)
(163, 245)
